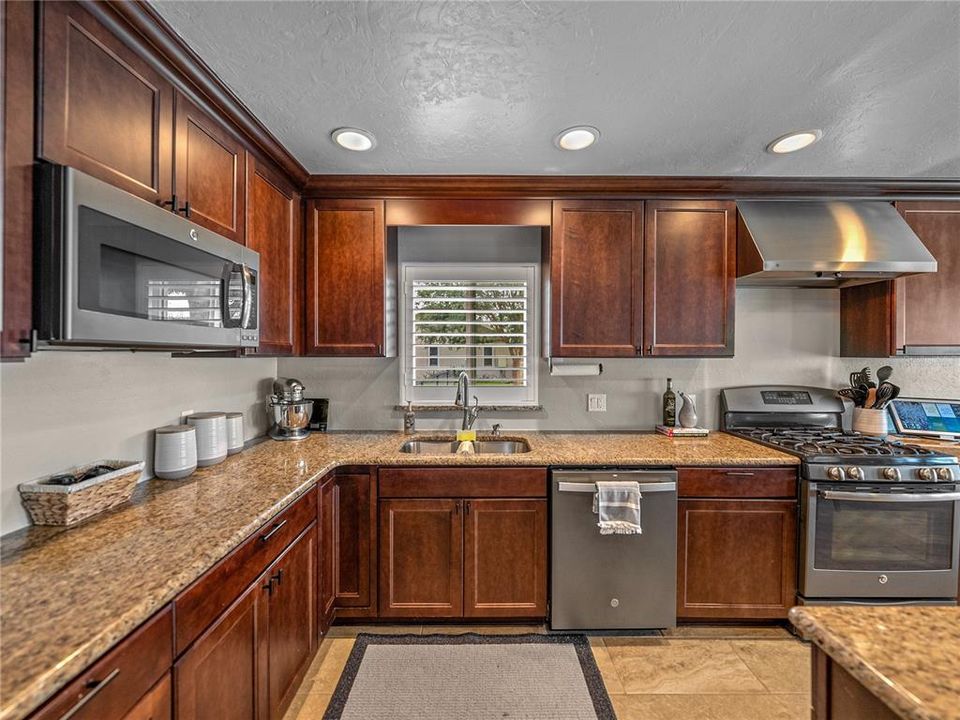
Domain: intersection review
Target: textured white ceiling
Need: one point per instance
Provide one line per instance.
(676, 88)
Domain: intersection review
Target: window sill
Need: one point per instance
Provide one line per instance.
(426, 407)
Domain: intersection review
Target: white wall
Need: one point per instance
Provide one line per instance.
(782, 336)
(60, 409)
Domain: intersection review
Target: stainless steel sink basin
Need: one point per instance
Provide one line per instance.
(449, 447)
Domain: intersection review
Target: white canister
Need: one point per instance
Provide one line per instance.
(175, 451)
(234, 432)
(870, 421)
(211, 437)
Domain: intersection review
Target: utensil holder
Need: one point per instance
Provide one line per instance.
(870, 421)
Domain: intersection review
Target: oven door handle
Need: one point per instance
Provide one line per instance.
(890, 497)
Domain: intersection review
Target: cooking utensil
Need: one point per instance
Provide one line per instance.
(891, 393)
(884, 373)
(871, 398)
(857, 396)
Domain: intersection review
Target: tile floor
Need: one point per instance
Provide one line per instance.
(688, 673)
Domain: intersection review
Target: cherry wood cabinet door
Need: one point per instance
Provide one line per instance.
(736, 558)
(106, 111)
(596, 257)
(689, 277)
(222, 676)
(421, 558)
(292, 619)
(345, 279)
(273, 230)
(157, 704)
(505, 558)
(210, 171)
(327, 553)
(354, 565)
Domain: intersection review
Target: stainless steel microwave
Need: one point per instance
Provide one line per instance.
(113, 270)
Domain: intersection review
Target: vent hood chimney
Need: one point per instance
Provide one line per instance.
(786, 243)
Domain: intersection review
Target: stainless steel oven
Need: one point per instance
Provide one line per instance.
(884, 541)
(114, 270)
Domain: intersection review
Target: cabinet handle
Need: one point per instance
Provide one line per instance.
(379, 349)
(185, 209)
(269, 586)
(175, 207)
(466, 507)
(278, 577)
(96, 686)
(740, 472)
(273, 531)
(456, 508)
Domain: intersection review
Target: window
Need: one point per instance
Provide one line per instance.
(480, 319)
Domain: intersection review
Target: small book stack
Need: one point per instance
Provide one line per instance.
(671, 431)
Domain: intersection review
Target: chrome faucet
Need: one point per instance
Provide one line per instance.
(462, 400)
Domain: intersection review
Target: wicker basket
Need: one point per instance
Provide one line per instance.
(69, 504)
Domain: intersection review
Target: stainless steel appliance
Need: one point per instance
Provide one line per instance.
(880, 520)
(288, 410)
(607, 582)
(117, 271)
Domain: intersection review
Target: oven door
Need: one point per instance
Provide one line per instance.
(131, 274)
(880, 541)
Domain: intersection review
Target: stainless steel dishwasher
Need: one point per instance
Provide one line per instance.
(613, 582)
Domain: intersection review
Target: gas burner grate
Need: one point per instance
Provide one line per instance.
(830, 441)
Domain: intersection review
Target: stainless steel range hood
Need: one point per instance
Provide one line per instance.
(786, 243)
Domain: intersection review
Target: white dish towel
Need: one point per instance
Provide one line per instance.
(617, 506)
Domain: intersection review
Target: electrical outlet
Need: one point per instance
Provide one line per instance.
(596, 402)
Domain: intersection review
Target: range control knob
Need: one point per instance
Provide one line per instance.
(854, 473)
(926, 473)
(882, 579)
(834, 473)
(891, 473)
(944, 474)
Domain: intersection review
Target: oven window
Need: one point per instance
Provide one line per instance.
(883, 537)
(127, 270)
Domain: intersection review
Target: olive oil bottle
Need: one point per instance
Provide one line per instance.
(669, 405)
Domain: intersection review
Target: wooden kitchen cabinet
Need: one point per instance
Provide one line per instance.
(689, 277)
(596, 267)
(224, 673)
(421, 558)
(157, 704)
(736, 559)
(210, 171)
(106, 111)
(505, 558)
(346, 278)
(354, 512)
(273, 230)
(327, 553)
(908, 316)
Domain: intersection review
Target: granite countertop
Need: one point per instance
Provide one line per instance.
(68, 595)
(909, 657)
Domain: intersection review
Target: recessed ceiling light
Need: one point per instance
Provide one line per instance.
(794, 141)
(577, 138)
(353, 139)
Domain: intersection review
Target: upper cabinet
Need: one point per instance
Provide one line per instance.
(909, 316)
(596, 260)
(106, 111)
(210, 166)
(273, 230)
(689, 277)
(632, 278)
(346, 279)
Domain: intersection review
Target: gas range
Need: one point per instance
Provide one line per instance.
(807, 422)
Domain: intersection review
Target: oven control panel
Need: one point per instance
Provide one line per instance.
(879, 473)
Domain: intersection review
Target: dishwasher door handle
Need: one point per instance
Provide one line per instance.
(592, 487)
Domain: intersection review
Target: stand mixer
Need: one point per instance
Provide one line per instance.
(288, 411)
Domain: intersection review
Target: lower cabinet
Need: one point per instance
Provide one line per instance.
(460, 557)
(325, 577)
(354, 515)
(157, 704)
(248, 664)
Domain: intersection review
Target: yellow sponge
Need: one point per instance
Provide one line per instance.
(466, 435)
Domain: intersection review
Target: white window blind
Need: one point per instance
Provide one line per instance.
(478, 319)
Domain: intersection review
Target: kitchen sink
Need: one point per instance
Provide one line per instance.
(449, 447)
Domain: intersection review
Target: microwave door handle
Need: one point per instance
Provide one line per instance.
(890, 497)
(247, 297)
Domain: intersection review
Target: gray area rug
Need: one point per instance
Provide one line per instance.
(470, 677)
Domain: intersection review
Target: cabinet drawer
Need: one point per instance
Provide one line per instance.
(201, 603)
(113, 685)
(463, 482)
(737, 482)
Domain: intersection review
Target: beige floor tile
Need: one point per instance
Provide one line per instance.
(708, 707)
(324, 673)
(783, 667)
(660, 666)
(608, 671)
(308, 707)
(728, 631)
(351, 631)
(483, 629)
